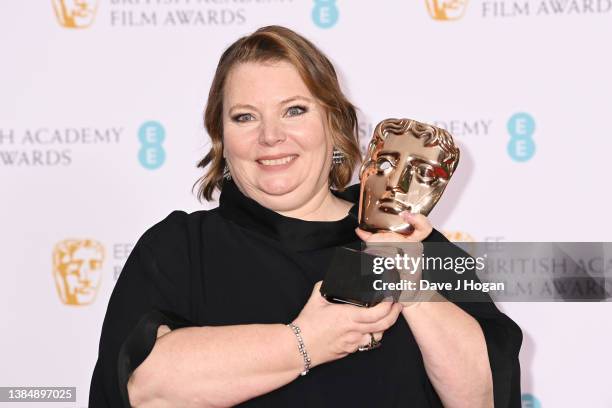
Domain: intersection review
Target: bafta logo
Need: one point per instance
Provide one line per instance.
(446, 10)
(75, 13)
(77, 270)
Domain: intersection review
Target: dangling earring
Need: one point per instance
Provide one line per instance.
(226, 173)
(337, 156)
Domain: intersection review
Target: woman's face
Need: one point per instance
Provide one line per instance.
(275, 136)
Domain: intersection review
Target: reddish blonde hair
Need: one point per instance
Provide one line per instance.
(276, 43)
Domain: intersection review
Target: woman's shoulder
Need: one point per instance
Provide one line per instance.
(178, 227)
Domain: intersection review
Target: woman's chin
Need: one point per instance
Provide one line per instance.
(278, 186)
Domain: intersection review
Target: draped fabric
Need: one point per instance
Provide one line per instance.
(242, 263)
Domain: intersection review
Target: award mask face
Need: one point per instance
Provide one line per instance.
(407, 168)
(77, 269)
(75, 13)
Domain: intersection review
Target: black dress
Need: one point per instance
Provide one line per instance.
(242, 263)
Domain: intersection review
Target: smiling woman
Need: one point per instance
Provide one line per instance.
(300, 121)
(222, 307)
(274, 145)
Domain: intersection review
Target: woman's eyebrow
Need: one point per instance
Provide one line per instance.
(284, 101)
(293, 98)
(241, 106)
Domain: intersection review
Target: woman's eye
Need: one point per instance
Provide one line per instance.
(242, 117)
(296, 110)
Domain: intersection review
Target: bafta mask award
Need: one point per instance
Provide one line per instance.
(407, 167)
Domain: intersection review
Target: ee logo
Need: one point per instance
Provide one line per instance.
(151, 154)
(521, 146)
(325, 13)
(529, 401)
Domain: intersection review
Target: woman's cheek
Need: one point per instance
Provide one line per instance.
(309, 135)
(238, 143)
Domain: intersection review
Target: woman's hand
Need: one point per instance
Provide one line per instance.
(420, 223)
(389, 244)
(331, 331)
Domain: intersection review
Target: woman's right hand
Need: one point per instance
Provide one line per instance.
(331, 331)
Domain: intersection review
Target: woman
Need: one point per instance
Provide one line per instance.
(199, 316)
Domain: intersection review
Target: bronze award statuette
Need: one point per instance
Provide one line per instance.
(407, 167)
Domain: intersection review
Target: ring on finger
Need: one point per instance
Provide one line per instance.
(372, 345)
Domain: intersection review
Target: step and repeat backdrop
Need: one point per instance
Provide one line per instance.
(101, 128)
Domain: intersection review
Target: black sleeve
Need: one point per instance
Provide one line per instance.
(152, 290)
(502, 335)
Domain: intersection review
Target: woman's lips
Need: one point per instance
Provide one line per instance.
(276, 162)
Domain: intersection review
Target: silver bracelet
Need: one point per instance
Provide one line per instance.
(301, 347)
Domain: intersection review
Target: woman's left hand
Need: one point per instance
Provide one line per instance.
(420, 223)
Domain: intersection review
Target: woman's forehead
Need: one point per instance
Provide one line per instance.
(277, 80)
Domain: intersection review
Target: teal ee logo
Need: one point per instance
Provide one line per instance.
(529, 401)
(521, 146)
(325, 13)
(151, 154)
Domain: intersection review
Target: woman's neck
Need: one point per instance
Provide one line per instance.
(324, 206)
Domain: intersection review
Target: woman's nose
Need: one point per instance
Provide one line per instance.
(271, 133)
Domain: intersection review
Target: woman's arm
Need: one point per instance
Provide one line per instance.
(451, 341)
(221, 366)
(197, 366)
(454, 352)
